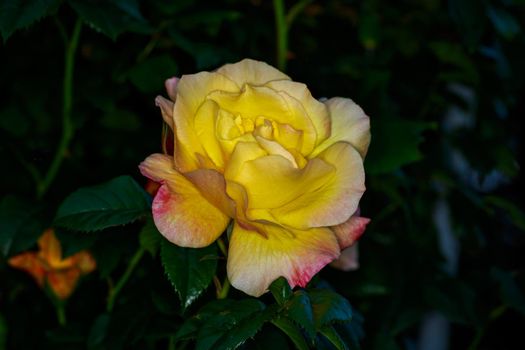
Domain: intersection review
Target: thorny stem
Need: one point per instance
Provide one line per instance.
(67, 125)
(113, 293)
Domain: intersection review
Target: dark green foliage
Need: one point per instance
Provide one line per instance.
(190, 270)
(117, 202)
(443, 83)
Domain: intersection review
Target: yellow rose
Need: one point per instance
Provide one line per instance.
(254, 147)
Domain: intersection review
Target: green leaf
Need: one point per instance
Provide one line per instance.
(233, 324)
(17, 14)
(20, 225)
(117, 202)
(331, 334)
(150, 237)
(149, 75)
(190, 270)
(73, 242)
(111, 17)
(292, 331)
(394, 144)
(329, 307)
(281, 290)
(299, 309)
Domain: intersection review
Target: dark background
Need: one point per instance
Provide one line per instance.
(442, 82)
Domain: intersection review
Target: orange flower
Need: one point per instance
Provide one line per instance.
(46, 265)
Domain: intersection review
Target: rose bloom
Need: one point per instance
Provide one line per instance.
(47, 266)
(253, 146)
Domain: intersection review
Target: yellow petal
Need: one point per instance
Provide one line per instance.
(157, 167)
(191, 94)
(338, 197)
(349, 124)
(205, 128)
(85, 262)
(262, 103)
(317, 111)
(188, 214)
(166, 109)
(273, 181)
(255, 261)
(251, 72)
(51, 251)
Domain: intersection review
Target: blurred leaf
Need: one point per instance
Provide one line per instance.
(206, 55)
(190, 270)
(511, 294)
(505, 23)
(331, 334)
(149, 76)
(292, 331)
(98, 331)
(20, 225)
(119, 119)
(116, 202)
(516, 215)
(150, 237)
(454, 55)
(394, 144)
(469, 16)
(17, 14)
(233, 325)
(14, 121)
(328, 307)
(281, 290)
(111, 17)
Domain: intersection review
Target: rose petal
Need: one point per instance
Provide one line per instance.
(348, 260)
(185, 214)
(349, 231)
(251, 72)
(254, 261)
(336, 200)
(191, 93)
(317, 111)
(171, 87)
(349, 124)
(166, 109)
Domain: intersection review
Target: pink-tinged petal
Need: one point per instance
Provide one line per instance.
(349, 231)
(188, 211)
(251, 72)
(349, 124)
(166, 108)
(157, 167)
(185, 217)
(255, 260)
(348, 260)
(171, 87)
